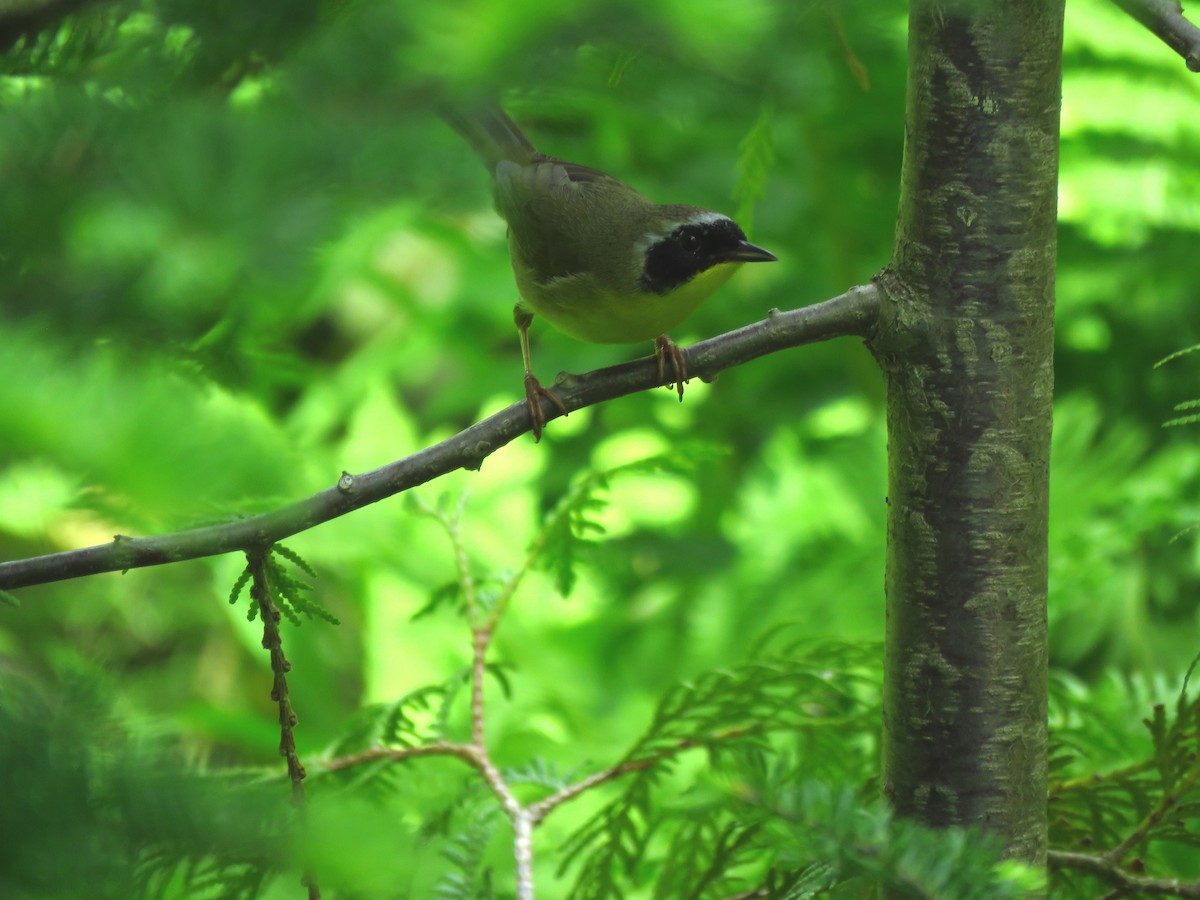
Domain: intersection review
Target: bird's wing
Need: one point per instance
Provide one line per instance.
(550, 206)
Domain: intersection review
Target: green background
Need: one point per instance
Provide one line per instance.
(239, 254)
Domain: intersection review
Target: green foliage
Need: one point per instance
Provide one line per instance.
(1114, 509)
(571, 527)
(1190, 419)
(416, 719)
(754, 167)
(92, 810)
(862, 850)
(241, 254)
(822, 695)
(1141, 797)
(289, 593)
(469, 877)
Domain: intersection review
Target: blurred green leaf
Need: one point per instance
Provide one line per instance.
(241, 254)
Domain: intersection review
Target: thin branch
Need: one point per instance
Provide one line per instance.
(1165, 805)
(508, 589)
(465, 752)
(272, 641)
(524, 819)
(480, 639)
(542, 808)
(475, 756)
(1166, 20)
(851, 314)
(1125, 882)
(472, 755)
(1084, 782)
(1107, 866)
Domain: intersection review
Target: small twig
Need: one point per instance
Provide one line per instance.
(480, 639)
(1107, 866)
(525, 819)
(466, 577)
(465, 752)
(1084, 782)
(471, 755)
(542, 808)
(1125, 883)
(509, 589)
(1166, 20)
(272, 641)
(852, 313)
(1168, 802)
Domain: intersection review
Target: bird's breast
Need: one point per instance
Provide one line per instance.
(584, 307)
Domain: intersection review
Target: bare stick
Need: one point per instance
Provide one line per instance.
(1126, 883)
(1166, 20)
(850, 314)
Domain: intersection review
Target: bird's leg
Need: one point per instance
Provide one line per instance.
(666, 349)
(533, 388)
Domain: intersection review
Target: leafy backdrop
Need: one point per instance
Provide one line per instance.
(241, 254)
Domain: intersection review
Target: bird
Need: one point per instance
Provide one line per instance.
(594, 257)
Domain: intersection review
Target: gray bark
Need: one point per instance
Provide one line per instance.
(965, 341)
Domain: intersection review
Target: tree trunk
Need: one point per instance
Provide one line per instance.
(965, 341)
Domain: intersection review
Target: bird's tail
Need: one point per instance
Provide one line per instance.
(492, 134)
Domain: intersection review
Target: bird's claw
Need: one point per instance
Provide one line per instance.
(664, 349)
(534, 392)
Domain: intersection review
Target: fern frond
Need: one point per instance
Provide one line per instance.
(450, 593)
(238, 586)
(1176, 355)
(1149, 807)
(1182, 420)
(470, 878)
(573, 525)
(541, 773)
(295, 559)
(292, 595)
(849, 837)
(819, 689)
(415, 719)
(755, 160)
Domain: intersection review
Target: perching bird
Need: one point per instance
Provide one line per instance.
(595, 258)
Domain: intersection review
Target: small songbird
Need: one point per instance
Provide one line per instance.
(595, 258)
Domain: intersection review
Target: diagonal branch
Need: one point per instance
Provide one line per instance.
(852, 313)
(1126, 883)
(1166, 20)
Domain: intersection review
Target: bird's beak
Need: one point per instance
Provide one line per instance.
(747, 252)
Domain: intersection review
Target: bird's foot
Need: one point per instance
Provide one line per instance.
(534, 392)
(666, 349)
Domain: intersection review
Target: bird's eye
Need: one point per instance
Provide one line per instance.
(691, 243)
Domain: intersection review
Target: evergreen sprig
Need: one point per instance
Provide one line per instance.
(1123, 823)
(560, 546)
(1185, 405)
(823, 688)
(756, 158)
(470, 878)
(573, 526)
(837, 839)
(292, 595)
